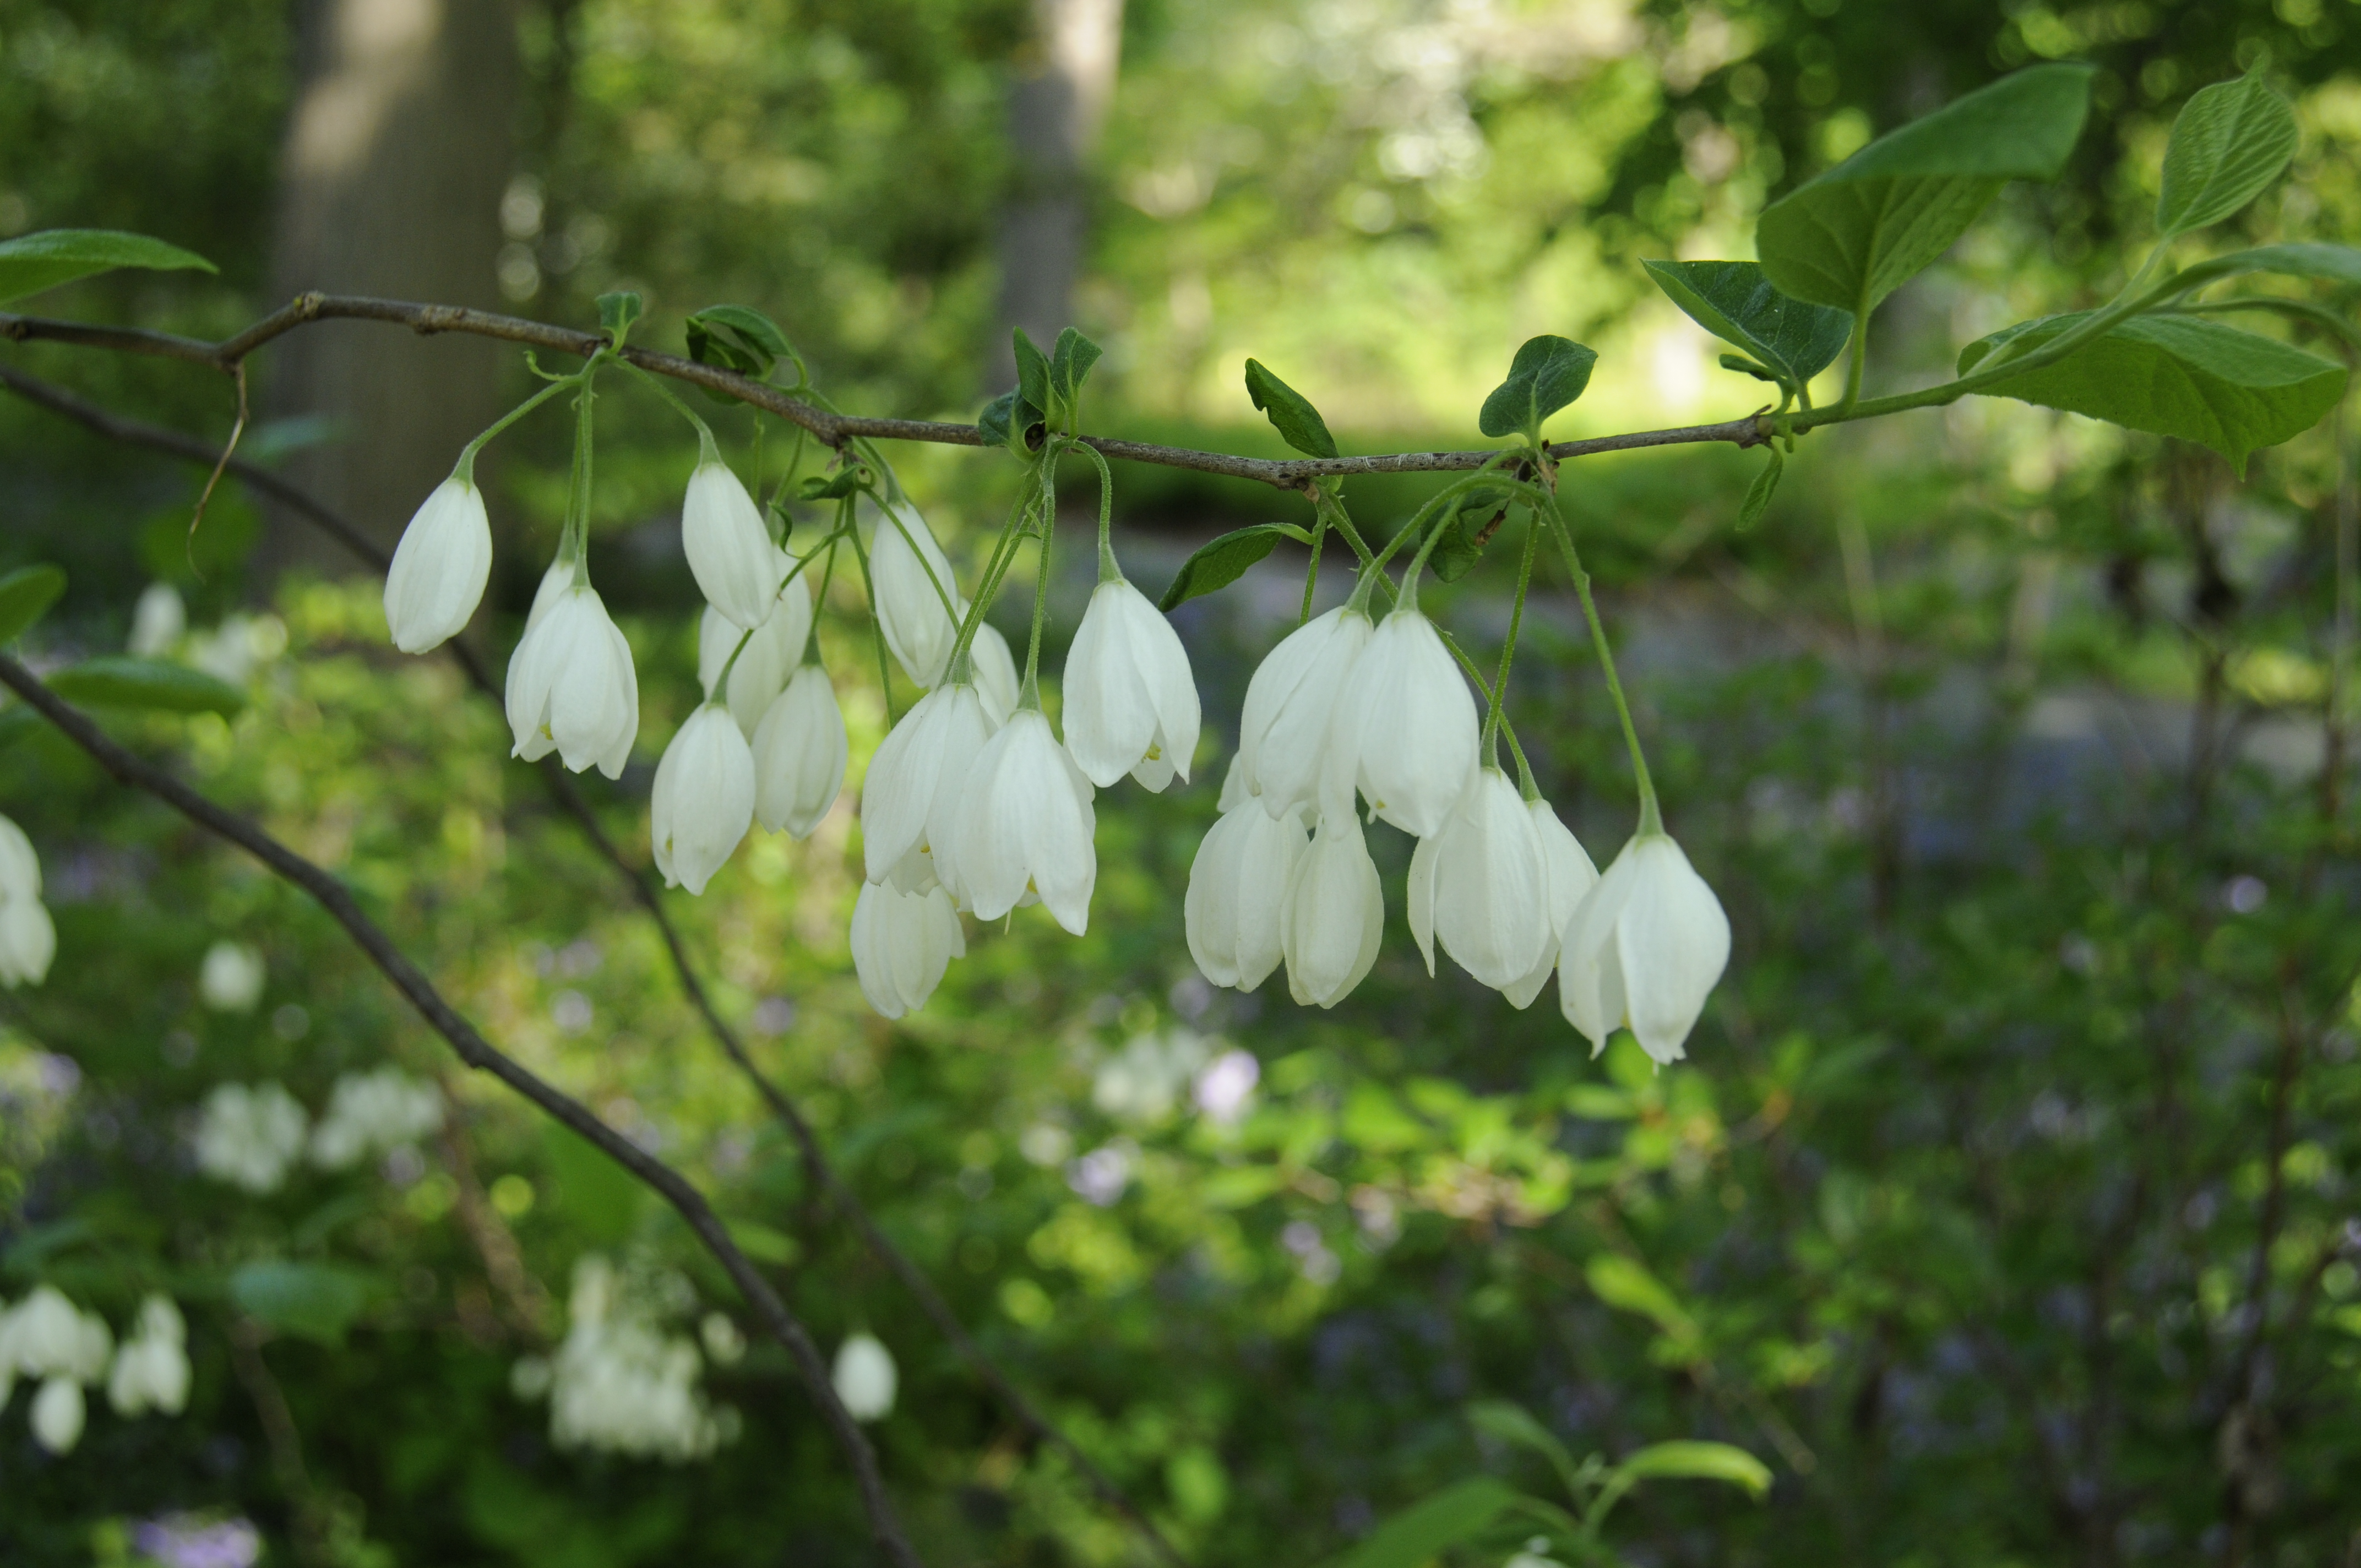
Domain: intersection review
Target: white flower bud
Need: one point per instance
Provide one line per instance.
(864, 1378)
(1024, 823)
(1405, 725)
(1479, 882)
(571, 687)
(915, 778)
(909, 602)
(704, 799)
(158, 620)
(772, 652)
(1237, 886)
(800, 750)
(58, 1415)
(730, 551)
(1131, 705)
(1569, 874)
(902, 944)
(1645, 948)
(231, 978)
(1290, 706)
(439, 568)
(1335, 913)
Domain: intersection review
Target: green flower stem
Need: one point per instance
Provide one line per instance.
(1311, 570)
(1109, 572)
(466, 468)
(1373, 568)
(1484, 689)
(942, 592)
(1651, 820)
(574, 542)
(869, 586)
(1509, 648)
(996, 569)
(819, 600)
(721, 680)
(707, 451)
(1029, 694)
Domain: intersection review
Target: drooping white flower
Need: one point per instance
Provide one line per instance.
(571, 686)
(1237, 887)
(58, 1415)
(20, 867)
(1334, 912)
(1292, 704)
(704, 799)
(440, 567)
(730, 551)
(1570, 874)
(800, 749)
(993, 669)
(1406, 725)
(158, 619)
(1479, 882)
(864, 1378)
(902, 944)
(49, 1337)
(1024, 823)
(248, 1137)
(910, 602)
(152, 1369)
(773, 650)
(230, 979)
(374, 1113)
(1644, 949)
(554, 583)
(915, 778)
(28, 941)
(1131, 704)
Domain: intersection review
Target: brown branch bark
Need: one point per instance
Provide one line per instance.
(1285, 474)
(333, 896)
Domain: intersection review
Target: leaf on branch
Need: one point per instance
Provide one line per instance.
(32, 262)
(1855, 234)
(1759, 493)
(1622, 1283)
(1688, 1459)
(1011, 421)
(1221, 561)
(120, 680)
(2181, 375)
(1290, 412)
(833, 487)
(1745, 367)
(736, 337)
(1734, 300)
(26, 595)
(1413, 1537)
(2230, 139)
(1070, 365)
(2319, 263)
(1472, 523)
(1032, 372)
(1547, 374)
(1511, 1423)
(618, 311)
(312, 1301)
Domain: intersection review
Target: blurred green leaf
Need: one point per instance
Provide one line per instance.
(1221, 561)
(599, 1198)
(1290, 412)
(1734, 300)
(32, 262)
(835, 487)
(312, 1301)
(763, 1243)
(26, 595)
(1547, 373)
(122, 680)
(1689, 1459)
(1511, 1423)
(1450, 1518)
(618, 311)
(1623, 1283)
(1851, 237)
(1759, 493)
(2229, 141)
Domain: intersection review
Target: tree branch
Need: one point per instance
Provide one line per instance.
(333, 896)
(1285, 474)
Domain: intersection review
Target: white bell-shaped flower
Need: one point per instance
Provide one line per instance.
(48, 1337)
(571, 686)
(1406, 725)
(554, 583)
(910, 603)
(993, 669)
(1292, 704)
(864, 1378)
(704, 799)
(902, 943)
(59, 1413)
(1334, 912)
(440, 567)
(152, 1369)
(1024, 823)
(20, 867)
(28, 941)
(915, 776)
(1480, 884)
(1237, 887)
(730, 551)
(800, 749)
(1570, 874)
(158, 619)
(1131, 704)
(773, 650)
(1644, 949)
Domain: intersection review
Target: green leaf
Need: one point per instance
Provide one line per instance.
(32, 262)
(1221, 561)
(312, 1300)
(1070, 365)
(1851, 237)
(1010, 421)
(1692, 1460)
(1032, 372)
(2230, 139)
(763, 1243)
(735, 337)
(1290, 412)
(832, 487)
(1412, 1538)
(1624, 1284)
(618, 311)
(17, 721)
(2182, 375)
(1740, 363)
(2319, 263)
(119, 680)
(1733, 301)
(26, 595)
(1759, 493)
(1473, 521)
(1513, 1423)
(1547, 374)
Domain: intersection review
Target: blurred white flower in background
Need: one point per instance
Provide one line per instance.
(231, 978)
(231, 650)
(248, 1136)
(1144, 1081)
(152, 1369)
(46, 1337)
(864, 1377)
(1226, 1088)
(158, 620)
(27, 939)
(374, 1114)
(620, 1383)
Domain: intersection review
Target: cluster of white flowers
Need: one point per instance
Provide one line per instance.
(27, 939)
(620, 1383)
(45, 1336)
(251, 1136)
(1345, 706)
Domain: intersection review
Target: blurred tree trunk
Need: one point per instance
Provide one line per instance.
(396, 158)
(1065, 80)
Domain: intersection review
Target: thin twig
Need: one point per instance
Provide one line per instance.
(333, 896)
(1285, 474)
